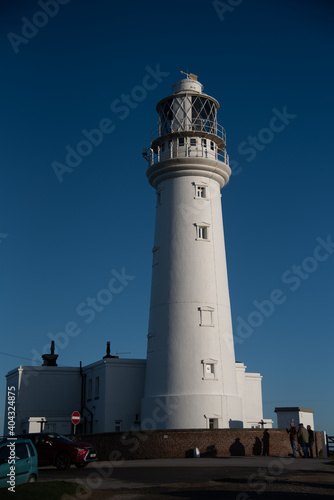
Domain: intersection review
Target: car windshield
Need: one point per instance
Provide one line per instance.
(59, 437)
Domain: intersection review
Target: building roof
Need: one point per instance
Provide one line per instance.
(294, 408)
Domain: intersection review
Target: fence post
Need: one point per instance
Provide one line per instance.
(324, 444)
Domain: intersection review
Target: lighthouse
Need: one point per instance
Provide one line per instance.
(191, 374)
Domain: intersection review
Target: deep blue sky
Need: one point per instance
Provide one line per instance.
(60, 241)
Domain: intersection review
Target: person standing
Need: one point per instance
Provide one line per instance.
(293, 438)
(302, 436)
(310, 440)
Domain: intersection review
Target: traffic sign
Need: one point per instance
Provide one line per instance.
(75, 418)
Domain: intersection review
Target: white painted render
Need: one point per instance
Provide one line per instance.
(51, 393)
(119, 399)
(44, 392)
(190, 357)
(47, 397)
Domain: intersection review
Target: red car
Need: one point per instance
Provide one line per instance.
(58, 450)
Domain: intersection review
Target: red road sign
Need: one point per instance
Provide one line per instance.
(75, 417)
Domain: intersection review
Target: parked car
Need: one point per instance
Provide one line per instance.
(18, 462)
(58, 450)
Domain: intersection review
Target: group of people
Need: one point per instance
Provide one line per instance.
(304, 437)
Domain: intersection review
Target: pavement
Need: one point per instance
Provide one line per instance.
(240, 478)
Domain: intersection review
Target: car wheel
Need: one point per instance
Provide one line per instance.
(81, 465)
(32, 479)
(63, 461)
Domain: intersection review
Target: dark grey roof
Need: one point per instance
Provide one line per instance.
(293, 408)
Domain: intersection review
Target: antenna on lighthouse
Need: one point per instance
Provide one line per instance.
(191, 76)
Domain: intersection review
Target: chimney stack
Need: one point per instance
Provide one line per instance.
(50, 359)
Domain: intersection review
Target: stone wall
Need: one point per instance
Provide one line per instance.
(181, 443)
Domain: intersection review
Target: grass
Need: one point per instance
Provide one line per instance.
(50, 490)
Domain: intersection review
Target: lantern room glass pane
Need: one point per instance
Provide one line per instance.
(188, 113)
(166, 116)
(204, 114)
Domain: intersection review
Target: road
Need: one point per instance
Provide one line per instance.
(251, 474)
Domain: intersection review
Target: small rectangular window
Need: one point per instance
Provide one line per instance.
(49, 427)
(202, 233)
(118, 425)
(162, 147)
(89, 389)
(97, 387)
(200, 192)
(206, 316)
(209, 369)
(181, 141)
(193, 142)
(213, 423)
(203, 142)
(212, 145)
(158, 197)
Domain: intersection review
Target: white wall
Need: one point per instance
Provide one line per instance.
(250, 389)
(53, 393)
(253, 399)
(194, 275)
(121, 391)
(45, 391)
(306, 418)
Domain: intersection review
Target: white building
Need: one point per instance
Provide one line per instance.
(107, 394)
(190, 379)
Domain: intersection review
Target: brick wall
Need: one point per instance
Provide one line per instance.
(181, 443)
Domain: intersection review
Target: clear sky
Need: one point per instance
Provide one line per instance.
(89, 65)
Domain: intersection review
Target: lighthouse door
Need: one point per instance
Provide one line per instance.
(213, 423)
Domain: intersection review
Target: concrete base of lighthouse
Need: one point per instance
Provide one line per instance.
(195, 411)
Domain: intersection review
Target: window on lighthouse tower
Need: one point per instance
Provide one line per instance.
(206, 316)
(200, 192)
(209, 369)
(202, 231)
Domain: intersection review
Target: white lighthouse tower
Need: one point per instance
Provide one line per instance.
(191, 379)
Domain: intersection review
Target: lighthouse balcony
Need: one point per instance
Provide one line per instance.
(186, 147)
(202, 127)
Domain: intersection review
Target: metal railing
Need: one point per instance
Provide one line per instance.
(187, 152)
(187, 125)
